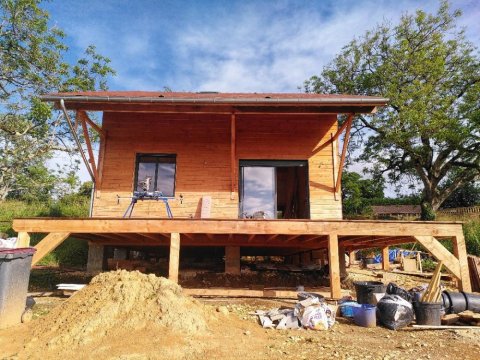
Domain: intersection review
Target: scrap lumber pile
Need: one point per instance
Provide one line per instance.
(474, 267)
(466, 317)
(433, 292)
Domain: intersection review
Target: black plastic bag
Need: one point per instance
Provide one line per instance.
(394, 312)
(394, 289)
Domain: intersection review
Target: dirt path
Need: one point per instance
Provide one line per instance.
(238, 336)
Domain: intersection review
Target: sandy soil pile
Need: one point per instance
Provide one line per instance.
(120, 300)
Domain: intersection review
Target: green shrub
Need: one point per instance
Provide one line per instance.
(471, 230)
(72, 252)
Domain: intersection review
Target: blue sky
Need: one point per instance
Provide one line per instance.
(226, 45)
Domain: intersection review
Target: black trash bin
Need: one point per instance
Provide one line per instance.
(365, 289)
(14, 275)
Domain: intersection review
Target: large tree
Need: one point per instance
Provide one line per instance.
(32, 62)
(430, 130)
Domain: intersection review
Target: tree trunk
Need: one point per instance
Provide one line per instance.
(427, 206)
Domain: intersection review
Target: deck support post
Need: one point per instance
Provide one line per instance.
(385, 259)
(232, 260)
(23, 239)
(95, 258)
(341, 258)
(334, 265)
(174, 260)
(460, 252)
(351, 257)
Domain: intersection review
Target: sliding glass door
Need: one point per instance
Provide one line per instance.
(274, 189)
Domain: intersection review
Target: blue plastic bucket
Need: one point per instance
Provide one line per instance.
(365, 315)
(347, 309)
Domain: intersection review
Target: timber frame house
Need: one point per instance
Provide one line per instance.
(248, 173)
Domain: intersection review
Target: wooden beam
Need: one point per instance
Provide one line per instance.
(174, 261)
(233, 156)
(101, 157)
(48, 244)
(334, 265)
(441, 253)
(91, 157)
(280, 109)
(84, 117)
(239, 226)
(251, 237)
(385, 258)
(23, 239)
(344, 152)
(334, 168)
(460, 252)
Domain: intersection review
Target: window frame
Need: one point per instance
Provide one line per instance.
(138, 157)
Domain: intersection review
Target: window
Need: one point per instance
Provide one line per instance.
(157, 171)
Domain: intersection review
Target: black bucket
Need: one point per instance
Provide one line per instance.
(364, 289)
(428, 313)
(454, 302)
(473, 302)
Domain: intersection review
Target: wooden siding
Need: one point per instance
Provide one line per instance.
(202, 145)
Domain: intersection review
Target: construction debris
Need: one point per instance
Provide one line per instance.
(310, 313)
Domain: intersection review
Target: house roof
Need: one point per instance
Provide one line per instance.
(242, 102)
(396, 209)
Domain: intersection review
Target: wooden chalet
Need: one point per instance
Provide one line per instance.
(248, 173)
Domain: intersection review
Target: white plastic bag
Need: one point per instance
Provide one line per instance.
(9, 243)
(317, 317)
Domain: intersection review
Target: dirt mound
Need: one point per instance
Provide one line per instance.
(124, 300)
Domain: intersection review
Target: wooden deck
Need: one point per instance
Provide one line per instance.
(338, 236)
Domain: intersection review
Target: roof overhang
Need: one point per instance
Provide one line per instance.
(216, 102)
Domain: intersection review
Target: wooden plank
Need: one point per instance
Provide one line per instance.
(241, 226)
(460, 252)
(334, 265)
(48, 244)
(441, 254)
(23, 239)
(344, 152)
(445, 327)
(174, 259)
(385, 258)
